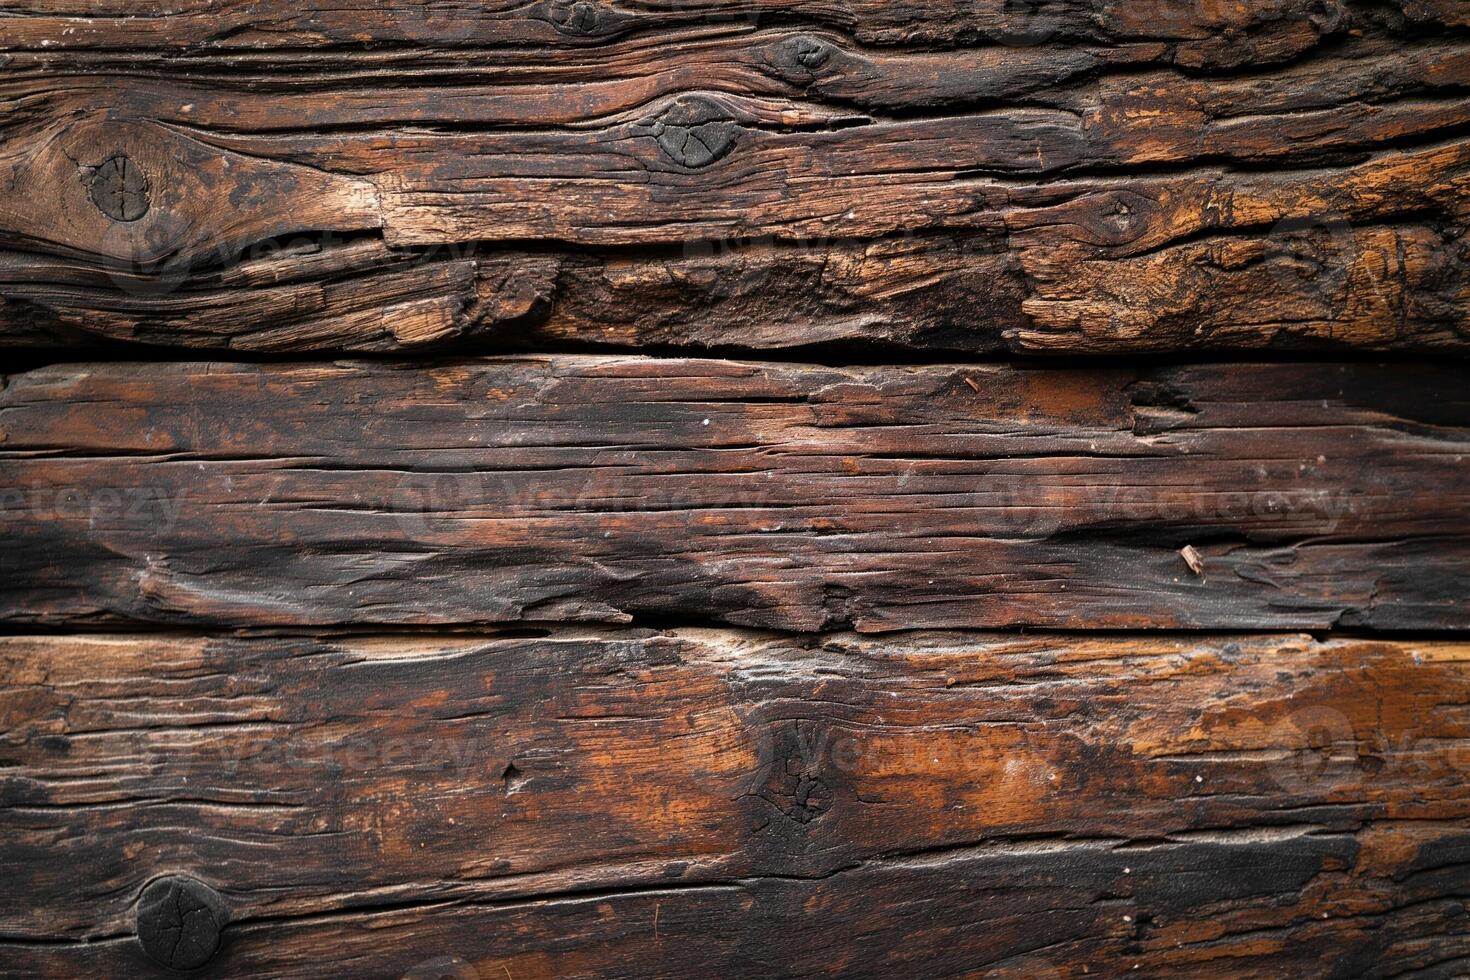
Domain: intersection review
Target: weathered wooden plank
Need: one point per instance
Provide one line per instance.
(361, 89)
(1203, 35)
(776, 162)
(1090, 194)
(1087, 913)
(652, 803)
(601, 488)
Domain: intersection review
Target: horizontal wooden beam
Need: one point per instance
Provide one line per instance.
(1221, 35)
(563, 803)
(1219, 177)
(1271, 496)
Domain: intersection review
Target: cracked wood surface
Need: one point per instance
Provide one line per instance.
(635, 802)
(335, 739)
(780, 496)
(1074, 177)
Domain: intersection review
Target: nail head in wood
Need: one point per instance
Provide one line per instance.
(179, 922)
(119, 188)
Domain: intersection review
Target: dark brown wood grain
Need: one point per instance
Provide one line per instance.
(561, 636)
(649, 803)
(782, 496)
(1201, 35)
(1067, 177)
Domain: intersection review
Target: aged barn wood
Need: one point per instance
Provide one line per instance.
(1201, 35)
(567, 803)
(1076, 176)
(600, 488)
(561, 636)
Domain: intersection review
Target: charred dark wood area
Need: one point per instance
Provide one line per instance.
(868, 488)
(597, 488)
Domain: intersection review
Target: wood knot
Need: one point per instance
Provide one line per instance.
(118, 187)
(799, 60)
(802, 55)
(578, 18)
(179, 922)
(793, 782)
(811, 53)
(696, 131)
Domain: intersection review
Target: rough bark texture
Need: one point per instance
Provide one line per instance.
(599, 488)
(1050, 177)
(639, 802)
